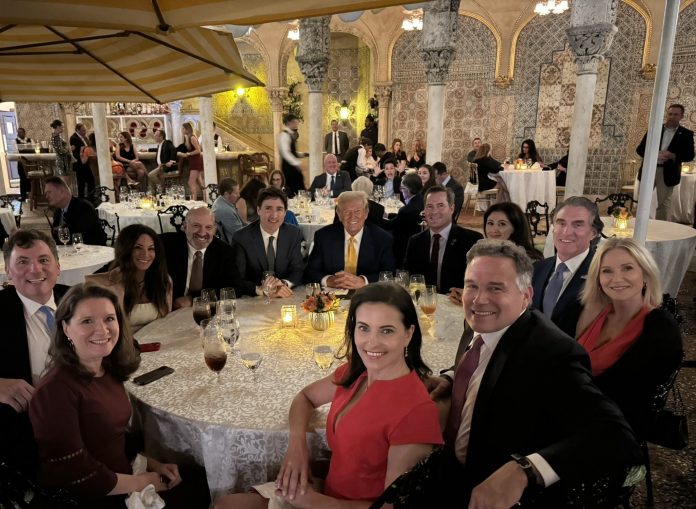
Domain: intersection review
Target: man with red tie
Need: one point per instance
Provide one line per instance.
(526, 421)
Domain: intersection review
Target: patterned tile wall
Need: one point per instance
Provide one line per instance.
(683, 78)
(36, 117)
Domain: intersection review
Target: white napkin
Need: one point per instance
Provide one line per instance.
(148, 498)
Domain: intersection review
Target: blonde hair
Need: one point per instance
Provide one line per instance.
(652, 294)
(351, 196)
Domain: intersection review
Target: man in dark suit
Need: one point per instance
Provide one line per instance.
(77, 214)
(355, 155)
(352, 253)
(407, 221)
(446, 180)
(439, 252)
(525, 413)
(31, 263)
(269, 244)
(475, 145)
(196, 259)
(388, 179)
(336, 142)
(166, 159)
(676, 147)
(558, 280)
(337, 181)
(83, 172)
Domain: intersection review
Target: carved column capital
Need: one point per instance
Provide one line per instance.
(589, 44)
(313, 51)
(175, 106)
(439, 24)
(277, 96)
(383, 91)
(437, 62)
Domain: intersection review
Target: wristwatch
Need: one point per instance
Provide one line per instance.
(528, 469)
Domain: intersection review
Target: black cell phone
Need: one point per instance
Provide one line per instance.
(153, 375)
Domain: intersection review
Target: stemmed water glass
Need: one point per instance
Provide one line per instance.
(210, 295)
(64, 235)
(323, 356)
(268, 285)
(386, 276)
(228, 294)
(214, 349)
(402, 278)
(251, 356)
(417, 286)
(77, 242)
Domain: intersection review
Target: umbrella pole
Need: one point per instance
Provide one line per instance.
(652, 147)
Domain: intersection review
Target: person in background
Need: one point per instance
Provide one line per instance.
(336, 141)
(370, 130)
(24, 184)
(290, 165)
(355, 158)
(376, 210)
(83, 173)
(426, 173)
(445, 179)
(634, 346)
(27, 310)
(561, 168)
(128, 156)
(381, 421)
(417, 155)
(63, 167)
(395, 153)
(407, 221)
(475, 144)
(225, 209)
(486, 164)
(277, 180)
(193, 153)
(166, 159)
(332, 178)
(77, 214)
(92, 354)
(389, 179)
(246, 205)
(528, 150)
(138, 276)
(117, 169)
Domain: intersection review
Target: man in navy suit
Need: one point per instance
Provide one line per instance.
(31, 263)
(558, 280)
(439, 252)
(351, 253)
(446, 180)
(407, 221)
(337, 181)
(77, 214)
(676, 147)
(269, 244)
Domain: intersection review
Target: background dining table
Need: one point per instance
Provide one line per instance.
(75, 266)
(120, 215)
(7, 218)
(527, 185)
(238, 429)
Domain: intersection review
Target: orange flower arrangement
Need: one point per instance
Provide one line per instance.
(320, 303)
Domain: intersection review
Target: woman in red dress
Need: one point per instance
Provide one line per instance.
(195, 159)
(381, 422)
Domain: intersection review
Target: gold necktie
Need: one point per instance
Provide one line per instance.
(351, 258)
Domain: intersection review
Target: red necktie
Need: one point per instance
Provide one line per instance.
(465, 369)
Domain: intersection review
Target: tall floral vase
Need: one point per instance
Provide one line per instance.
(321, 321)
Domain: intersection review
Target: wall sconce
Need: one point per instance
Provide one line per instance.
(344, 112)
(413, 20)
(288, 316)
(241, 91)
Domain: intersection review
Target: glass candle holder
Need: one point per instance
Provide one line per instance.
(288, 316)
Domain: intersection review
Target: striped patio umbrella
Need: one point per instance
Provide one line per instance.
(165, 15)
(49, 63)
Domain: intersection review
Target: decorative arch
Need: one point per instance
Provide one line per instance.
(255, 42)
(362, 31)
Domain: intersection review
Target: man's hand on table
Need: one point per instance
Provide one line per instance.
(16, 393)
(502, 490)
(345, 280)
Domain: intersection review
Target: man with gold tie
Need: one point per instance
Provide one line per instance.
(351, 253)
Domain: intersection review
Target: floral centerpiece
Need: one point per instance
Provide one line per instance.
(320, 307)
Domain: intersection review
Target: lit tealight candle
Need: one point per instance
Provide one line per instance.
(288, 316)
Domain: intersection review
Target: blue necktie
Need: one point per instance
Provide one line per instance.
(50, 319)
(553, 290)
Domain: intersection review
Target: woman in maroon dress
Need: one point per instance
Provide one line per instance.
(381, 422)
(195, 160)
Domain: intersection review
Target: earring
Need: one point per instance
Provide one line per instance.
(406, 352)
(72, 345)
(645, 287)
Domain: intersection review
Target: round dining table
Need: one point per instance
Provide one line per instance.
(7, 218)
(120, 215)
(671, 245)
(238, 428)
(527, 185)
(683, 199)
(75, 266)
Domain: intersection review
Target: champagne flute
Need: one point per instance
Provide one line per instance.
(402, 278)
(214, 351)
(417, 286)
(386, 276)
(211, 297)
(428, 300)
(230, 295)
(77, 242)
(201, 309)
(323, 356)
(268, 285)
(64, 235)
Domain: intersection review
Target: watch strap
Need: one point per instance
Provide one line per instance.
(527, 468)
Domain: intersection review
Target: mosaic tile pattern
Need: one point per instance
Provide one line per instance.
(683, 78)
(36, 117)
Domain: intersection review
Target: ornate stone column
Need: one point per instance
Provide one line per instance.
(590, 35)
(384, 93)
(207, 143)
(313, 59)
(439, 22)
(101, 134)
(277, 96)
(175, 133)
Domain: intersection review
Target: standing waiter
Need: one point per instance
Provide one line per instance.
(287, 145)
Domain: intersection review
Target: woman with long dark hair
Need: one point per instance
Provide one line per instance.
(528, 150)
(379, 405)
(117, 169)
(127, 155)
(485, 165)
(138, 276)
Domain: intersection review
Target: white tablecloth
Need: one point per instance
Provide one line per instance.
(8, 220)
(527, 185)
(238, 430)
(74, 267)
(148, 217)
(671, 244)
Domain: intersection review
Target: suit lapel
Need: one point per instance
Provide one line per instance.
(548, 267)
(257, 245)
(282, 247)
(365, 242)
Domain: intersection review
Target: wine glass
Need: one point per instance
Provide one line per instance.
(268, 285)
(201, 309)
(64, 235)
(77, 242)
(323, 356)
(402, 278)
(386, 276)
(251, 356)
(224, 308)
(313, 288)
(214, 351)
(428, 300)
(229, 294)
(417, 286)
(210, 295)
(229, 326)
